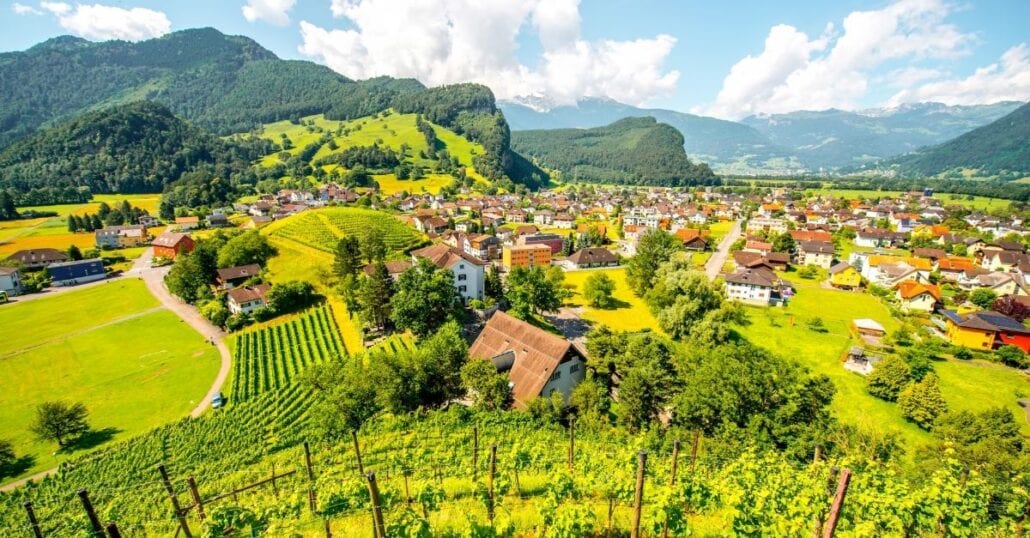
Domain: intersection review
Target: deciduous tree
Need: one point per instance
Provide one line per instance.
(598, 290)
(922, 402)
(654, 248)
(60, 421)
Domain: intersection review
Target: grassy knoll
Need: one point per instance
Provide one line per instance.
(321, 229)
(133, 366)
(431, 183)
(630, 313)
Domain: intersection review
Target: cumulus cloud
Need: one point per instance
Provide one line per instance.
(795, 72)
(448, 41)
(271, 11)
(22, 9)
(100, 22)
(1006, 80)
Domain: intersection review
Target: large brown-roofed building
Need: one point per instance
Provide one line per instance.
(537, 362)
(467, 269)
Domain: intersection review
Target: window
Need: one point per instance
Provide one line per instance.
(574, 368)
(462, 289)
(462, 276)
(556, 375)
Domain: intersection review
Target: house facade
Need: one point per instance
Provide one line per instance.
(526, 256)
(469, 271)
(246, 300)
(170, 244)
(985, 330)
(844, 276)
(76, 272)
(10, 281)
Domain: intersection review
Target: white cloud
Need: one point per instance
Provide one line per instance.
(271, 11)
(100, 22)
(1006, 80)
(448, 41)
(794, 72)
(22, 9)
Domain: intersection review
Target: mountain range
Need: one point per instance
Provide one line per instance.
(791, 143)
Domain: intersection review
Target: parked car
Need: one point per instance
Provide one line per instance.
(217, 401)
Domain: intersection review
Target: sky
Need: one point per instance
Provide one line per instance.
(728, 59)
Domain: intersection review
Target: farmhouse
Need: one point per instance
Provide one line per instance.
(534, 255)
(590, 257)
(76, 272)
(986, 330)
(10, 281)
(170, 244)
(247, 299)
(232, 277)
(38, 258)
(537, 362)
(468, 270)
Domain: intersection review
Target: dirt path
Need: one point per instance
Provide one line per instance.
(714, 265)
(154, 279)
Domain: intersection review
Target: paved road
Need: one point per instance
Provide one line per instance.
(154, 279)
(722, 254)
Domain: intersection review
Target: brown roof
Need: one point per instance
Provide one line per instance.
(810, 235)
(445, 256)
(537, 353)
(4, 271)
(592, 255)
(248, 294)
(243, 271)
(392, 267)
(910, 290)
(757, 277)
(39, 255)
(169, 239)
(820, 247)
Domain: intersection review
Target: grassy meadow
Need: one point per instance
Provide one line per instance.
(134, 365)
(630, 312)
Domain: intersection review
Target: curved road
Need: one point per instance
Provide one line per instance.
(154, 279)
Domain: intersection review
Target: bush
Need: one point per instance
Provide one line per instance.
(963, 354)
(237, 322)
(1013, 356)
(808, 272)
(816, 324)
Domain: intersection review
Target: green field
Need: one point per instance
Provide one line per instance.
(133, 365)
(321, 229)
(391, 130)
(630, 314)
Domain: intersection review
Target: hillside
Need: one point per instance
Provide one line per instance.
(1000, 149)
(638, 151)
(133, 148)
(229, 84)
(782, 143)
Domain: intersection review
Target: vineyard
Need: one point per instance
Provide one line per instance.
(465, 473)
(270, 358)
(321, 229)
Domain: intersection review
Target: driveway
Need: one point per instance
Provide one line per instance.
(722, 254)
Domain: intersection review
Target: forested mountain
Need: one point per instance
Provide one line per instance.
(637, 151)
(797, 142)
(228, 84)
(1000, 149)
(138, 147)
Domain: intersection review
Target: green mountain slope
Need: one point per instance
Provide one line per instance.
(138, 147)
(1000, 149)
(637, 151)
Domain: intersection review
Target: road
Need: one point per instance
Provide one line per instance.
(153, 277)
(722, 254)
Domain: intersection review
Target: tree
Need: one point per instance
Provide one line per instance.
(533, 290)
(654, 248)
(425, 299)
(983, 297)
(922, 402)
(783, 243)
(373, 245)
(290, 296)
(682, 299)
(888, 378)
(245, 249)
(487, 388)
(345, 399)
(7, 207)
(1012, 307)
(59, 421)
(73, 224)
(7, 456)
(492, 285)
(598, 290)
(590, 400)
(347, 259)
(74, 253)
(374, 295)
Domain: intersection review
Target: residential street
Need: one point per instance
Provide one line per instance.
(722, 254)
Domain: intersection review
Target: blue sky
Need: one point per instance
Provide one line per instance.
(727, 59)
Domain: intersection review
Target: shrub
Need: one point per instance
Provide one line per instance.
(1013, 356)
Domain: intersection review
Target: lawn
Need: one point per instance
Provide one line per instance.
(630, 314)
(431, 183)
(133, 366)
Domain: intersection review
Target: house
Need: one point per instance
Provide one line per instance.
(758, 247)
(468, 270)
(590, 257)
(394, 268)
(534, 255)
(818, 253)
(187, 223)
(38, 258)
(811, 235)
(231, 277)
(246, 300)
(844, 276)
(563, 221)
(430, 224)
(171, 244)
(952, 268)
(875, 238)
(753, 260)
(217, 220)
(537, 362)
(76, 272)
(121, 236)
(767, 224)
(1003, 284)
(758, 286)
(692, 239)
(918, 297)
(482, 246)
(555, 241)
(860, 362)
(985, 330)
(10, 281)
(933, 254)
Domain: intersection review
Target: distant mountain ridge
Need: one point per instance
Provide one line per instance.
(796, 142)
(999, 149)
(636, 151)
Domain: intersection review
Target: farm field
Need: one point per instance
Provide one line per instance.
(321, 229)
(631, 314)
(135, 366)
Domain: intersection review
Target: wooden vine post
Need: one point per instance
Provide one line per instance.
(357, 451)
(311, 477)
(175, 502)
(675, 461)
(195, 493)
(475, 452)
(838, 503)
(94, 521)
(493, 471)
(112, 530)
(693, 450)
(377, 507)
(638, 496)
(572, 444)
(33, 522)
